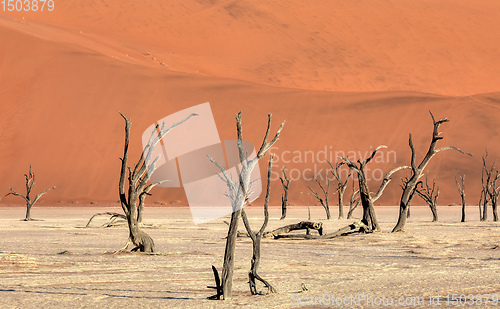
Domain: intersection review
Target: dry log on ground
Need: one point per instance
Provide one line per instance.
(303, 225)
(351, 228)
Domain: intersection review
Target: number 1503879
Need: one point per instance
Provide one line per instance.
(27, 5)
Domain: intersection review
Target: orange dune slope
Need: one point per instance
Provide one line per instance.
(447, 47)
(347, 77)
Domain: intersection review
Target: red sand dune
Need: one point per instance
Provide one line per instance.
(345, 75)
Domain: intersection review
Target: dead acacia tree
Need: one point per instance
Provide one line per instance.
(490, 191)
(324, 201)
(237, 195)
(493, 192)
(30, 182)
(256, 238)
(285, 183)
(417, 170)
(461, 191)
(341, 185)
(484, 198)
(430, 196)
(353, 201)
(369, 217)
(132, 198)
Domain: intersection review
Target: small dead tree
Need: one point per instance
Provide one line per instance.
(237, 195)
(256, 238)
(417, 170)
(341, 185)
(30, 182)
(353, 201)
(369, 220)
(285, 183)
(430, 196)
(324, 201)
(132, 199)
(461, 190)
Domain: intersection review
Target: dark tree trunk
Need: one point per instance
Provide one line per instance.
(461, 191)
(369, 216)
(283, 207)
(341, 204)
(434, 213)
(485, 211)
(285, 183)
(28, 213)
(140, 209)
(494, 207)
(228, 266)
(327, 210)
(256, 238)
(463, 209)
(354, 201)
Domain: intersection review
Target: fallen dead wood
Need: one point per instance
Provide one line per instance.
(303, 225)
(112, 220)
(351, 228)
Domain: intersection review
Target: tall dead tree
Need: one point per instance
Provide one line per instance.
(417, 170)
(341, 185)
(324, 201)
(30, 182)
(484, 198)
(369, 216)
(430, 196)
(256, 238)
(461, 190)
(285, 183)
(493, 191)
(353, 201)
(132, 198)
(494, 195)
(238, 197)
(490, 191)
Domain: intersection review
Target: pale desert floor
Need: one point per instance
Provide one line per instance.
(59, 263)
